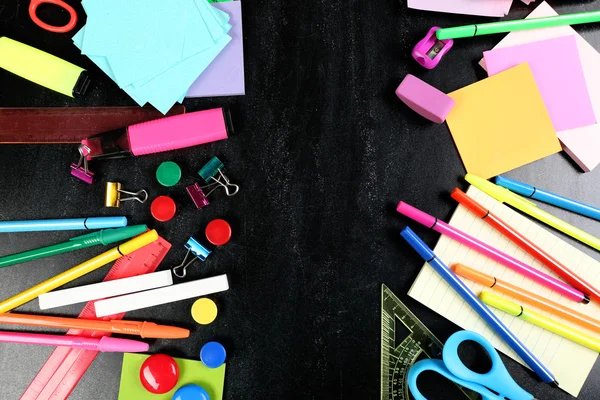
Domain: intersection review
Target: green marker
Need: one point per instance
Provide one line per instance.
(42, 68)
(517, 25)
(104, 237)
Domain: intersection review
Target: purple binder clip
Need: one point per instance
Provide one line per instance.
(80, 170)
(429, 51)
(197, 195)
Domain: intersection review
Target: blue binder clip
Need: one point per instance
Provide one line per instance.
(198, 252)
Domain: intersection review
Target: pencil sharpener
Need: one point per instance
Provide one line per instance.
(429, 51)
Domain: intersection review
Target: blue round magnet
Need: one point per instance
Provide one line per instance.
(191, 392)
(213, 354)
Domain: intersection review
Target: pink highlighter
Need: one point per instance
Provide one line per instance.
(104, 343)
(170, 133)
(491, 252)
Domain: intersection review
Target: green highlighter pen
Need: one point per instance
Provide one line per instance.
(517, 25)
(104, 237)
(42, 68)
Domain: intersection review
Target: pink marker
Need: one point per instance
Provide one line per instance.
(491, 252)
(104, 343)
(164, 134)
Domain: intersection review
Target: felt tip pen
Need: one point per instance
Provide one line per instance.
(548, 197)
(164, 134)
(103, 237)
(540, 320)
(485, 313)
(513, 235)
(78, 271)
(504, 195)
(144, 329)
(526, 296)
(517, 25)
(104, 343)
(491, 252)
(74, 224)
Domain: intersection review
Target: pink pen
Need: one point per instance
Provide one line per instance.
(489, 251)
(164, 134)
(104, 343)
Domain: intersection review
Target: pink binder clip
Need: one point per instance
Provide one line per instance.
(197, 194)
(80, 170)
(429, 51)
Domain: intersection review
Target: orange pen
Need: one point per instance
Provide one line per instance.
(144, 329)
(509, 232)
(527, 297)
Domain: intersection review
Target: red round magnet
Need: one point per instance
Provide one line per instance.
(159, 373)
(163, 208)
(218, 232)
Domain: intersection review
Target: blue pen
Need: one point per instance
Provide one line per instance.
(63, 224)
(481, 309)
(548, 197)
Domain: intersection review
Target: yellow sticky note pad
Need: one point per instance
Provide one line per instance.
(501, 123)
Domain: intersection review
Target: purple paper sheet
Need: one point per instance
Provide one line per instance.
(225, 75)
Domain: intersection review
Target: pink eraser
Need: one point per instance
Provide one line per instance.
(424, 99)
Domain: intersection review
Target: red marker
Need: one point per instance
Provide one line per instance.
(569, 276)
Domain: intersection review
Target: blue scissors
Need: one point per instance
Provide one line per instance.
(497, 379)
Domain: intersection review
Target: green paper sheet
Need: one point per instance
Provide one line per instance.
(190, 371)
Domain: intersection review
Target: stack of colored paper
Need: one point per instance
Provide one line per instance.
(153, 49)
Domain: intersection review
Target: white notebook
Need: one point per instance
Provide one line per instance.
(569, 362)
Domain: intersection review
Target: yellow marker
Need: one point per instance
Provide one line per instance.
(540, 320)
(42, 68)
(204, 311)
(78, 271)
(504, 195)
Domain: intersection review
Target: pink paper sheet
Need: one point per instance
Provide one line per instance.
(558, 74)
(487, 8)
(582, 144)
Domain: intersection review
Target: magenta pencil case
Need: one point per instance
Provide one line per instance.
(164, 134)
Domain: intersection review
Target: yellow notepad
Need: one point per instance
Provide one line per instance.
(568, 361)
(501, 123)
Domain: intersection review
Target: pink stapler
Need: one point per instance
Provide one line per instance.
(429, 51)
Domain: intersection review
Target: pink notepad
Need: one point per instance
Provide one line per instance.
(557, 71)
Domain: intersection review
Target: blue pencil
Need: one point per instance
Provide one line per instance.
(63, 224)
(548, 197)
(481, 309)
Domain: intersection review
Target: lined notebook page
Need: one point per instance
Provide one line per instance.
(568, 361)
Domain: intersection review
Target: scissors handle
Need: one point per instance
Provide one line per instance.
(439, 367)
(51, 28)
(497, 378)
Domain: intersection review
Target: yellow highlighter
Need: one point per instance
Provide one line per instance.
(42, 68)
(78, 271)
(504, 195)
(540, 320)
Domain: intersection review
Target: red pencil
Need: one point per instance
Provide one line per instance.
(569, 276)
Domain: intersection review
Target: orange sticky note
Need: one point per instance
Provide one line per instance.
(501, 123)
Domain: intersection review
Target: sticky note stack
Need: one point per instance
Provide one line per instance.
(153, 49)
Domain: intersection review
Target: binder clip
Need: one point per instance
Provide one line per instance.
(80, 170)
(429, 51)
(198, 252)
(213, 175)
(113, 195)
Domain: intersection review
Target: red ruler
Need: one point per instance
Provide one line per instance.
(65, 367)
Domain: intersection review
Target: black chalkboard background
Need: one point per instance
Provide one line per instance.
(323, 151)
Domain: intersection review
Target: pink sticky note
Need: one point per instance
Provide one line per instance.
(487, 8)
(557, 71)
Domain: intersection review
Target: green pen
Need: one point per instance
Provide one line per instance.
(103, 237)
(517, 25)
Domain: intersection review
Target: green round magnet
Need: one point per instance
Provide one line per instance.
(168, 173)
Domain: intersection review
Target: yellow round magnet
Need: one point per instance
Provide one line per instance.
(204, 311)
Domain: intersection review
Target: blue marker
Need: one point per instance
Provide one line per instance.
(63, 224)
(492, 320)
(547, 197)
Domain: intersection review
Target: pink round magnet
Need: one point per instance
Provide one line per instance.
(424, 99)
(159, 373)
